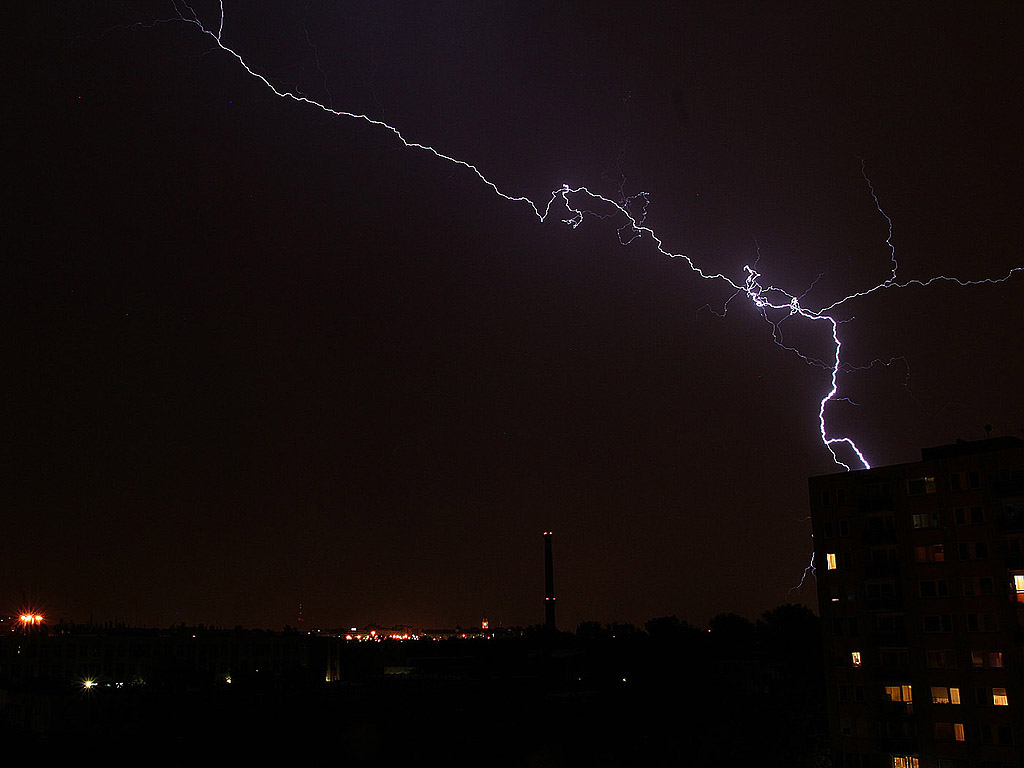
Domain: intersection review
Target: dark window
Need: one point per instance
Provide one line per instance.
(968, 515)
(937, 588)
(894, 657)
(919, 486)
(938, 623)
(941, 659)
(889, 622)
(949, 731)
(959, 481)
(879, 590)
(977, 550)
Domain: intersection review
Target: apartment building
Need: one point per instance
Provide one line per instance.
(920, 572)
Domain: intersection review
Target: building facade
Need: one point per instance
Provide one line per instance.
(920, 571)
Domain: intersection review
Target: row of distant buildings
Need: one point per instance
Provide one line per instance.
(32, 653)
(920, 572)
(200, 657)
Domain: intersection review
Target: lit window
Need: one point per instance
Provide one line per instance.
(855, 658)
(899, 693)
(958, 731)
(1018, 587)
(926, 520)
(943, 695)
(930, 553)
(999, 697)
(904, 761)
(831, 558)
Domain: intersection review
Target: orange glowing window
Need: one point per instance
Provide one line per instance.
(899, 693)
(944, 695)
(831, 560)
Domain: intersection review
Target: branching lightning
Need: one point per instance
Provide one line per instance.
(774, 304)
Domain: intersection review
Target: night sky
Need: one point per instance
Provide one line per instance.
(256, 355)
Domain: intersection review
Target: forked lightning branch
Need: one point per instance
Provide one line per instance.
(574, 204)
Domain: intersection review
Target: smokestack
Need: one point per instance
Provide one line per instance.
(549, 585)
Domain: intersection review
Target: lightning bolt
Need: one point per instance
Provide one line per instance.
(808, 570)
(774, 304)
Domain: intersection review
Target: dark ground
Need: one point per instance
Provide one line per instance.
(607, 695)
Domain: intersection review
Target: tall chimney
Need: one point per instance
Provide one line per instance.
(549, 585)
